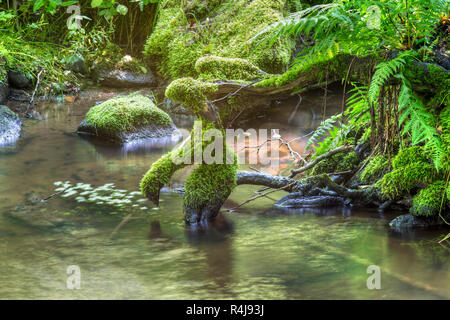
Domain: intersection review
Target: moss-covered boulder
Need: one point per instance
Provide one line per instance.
(430, 201)
(188, 30)
(337, 163)
(376, 168)
(127, 118)
(10, 126)
(218, 68)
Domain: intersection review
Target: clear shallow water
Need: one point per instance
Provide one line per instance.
(263, 253)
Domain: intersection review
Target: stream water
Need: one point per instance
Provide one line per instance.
(262, 253)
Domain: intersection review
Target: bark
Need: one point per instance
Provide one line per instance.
(315, 191)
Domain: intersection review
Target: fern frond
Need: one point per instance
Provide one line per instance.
(419, 123)
(385, 71)
(324, 127)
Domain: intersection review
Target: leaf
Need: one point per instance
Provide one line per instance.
(96, 3)
(121, 9)
(38, 4)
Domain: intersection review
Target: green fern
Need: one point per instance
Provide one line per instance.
(357, 111)
(419, 123)
(324, 128)
(385, 71)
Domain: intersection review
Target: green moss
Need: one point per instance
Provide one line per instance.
(209, 185)
(314, 69)
(408, 156)
(375, 169)
(444, 121)
(3, 72)
(403, 180)
(218, 68)
(157, 176)
(190, 92)
(124, 113)
(349, 162)
(448, 193)
(181, 35)
(429, 202)
(337, 163)
(429, 77)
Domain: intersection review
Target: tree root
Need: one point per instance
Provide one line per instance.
(315, 191)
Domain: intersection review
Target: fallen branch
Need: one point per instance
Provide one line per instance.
(263, 179)
(125, 220)
(52, 195)
(328, 154)
(261, 195)
(35, 90)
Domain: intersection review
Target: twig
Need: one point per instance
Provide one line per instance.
(345, 83)
(339, 173)
(260, 196)
(294, 154)
(445, 238)
(51, 196)
(34, 91)
(294, 172)
(291, 117)
(125, 220)
(235, 92)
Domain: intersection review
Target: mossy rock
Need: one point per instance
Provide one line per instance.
(337, 163)
(408, 221)
(127, 118)
(230, 25)
(409, 156)
(377, 167)
(218, 68)
(404, 180)
(430, 201)
(190, 92)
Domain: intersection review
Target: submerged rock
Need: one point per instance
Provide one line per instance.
(129, 118)
(297, 200)
(406, 221)
(10, 126)
(126, 79)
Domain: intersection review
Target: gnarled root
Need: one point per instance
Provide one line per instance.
(315, 191)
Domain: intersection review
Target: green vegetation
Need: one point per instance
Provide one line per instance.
(398, 106)
(337, 163)
(158, 176)
(377, 167)
(218, 68)
(207, 187)
(411, 155)
(430, 201)
(190, 92)
(186, 31)
(125, 113)
(39, 39)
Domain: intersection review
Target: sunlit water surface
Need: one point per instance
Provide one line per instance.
(265, 254)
